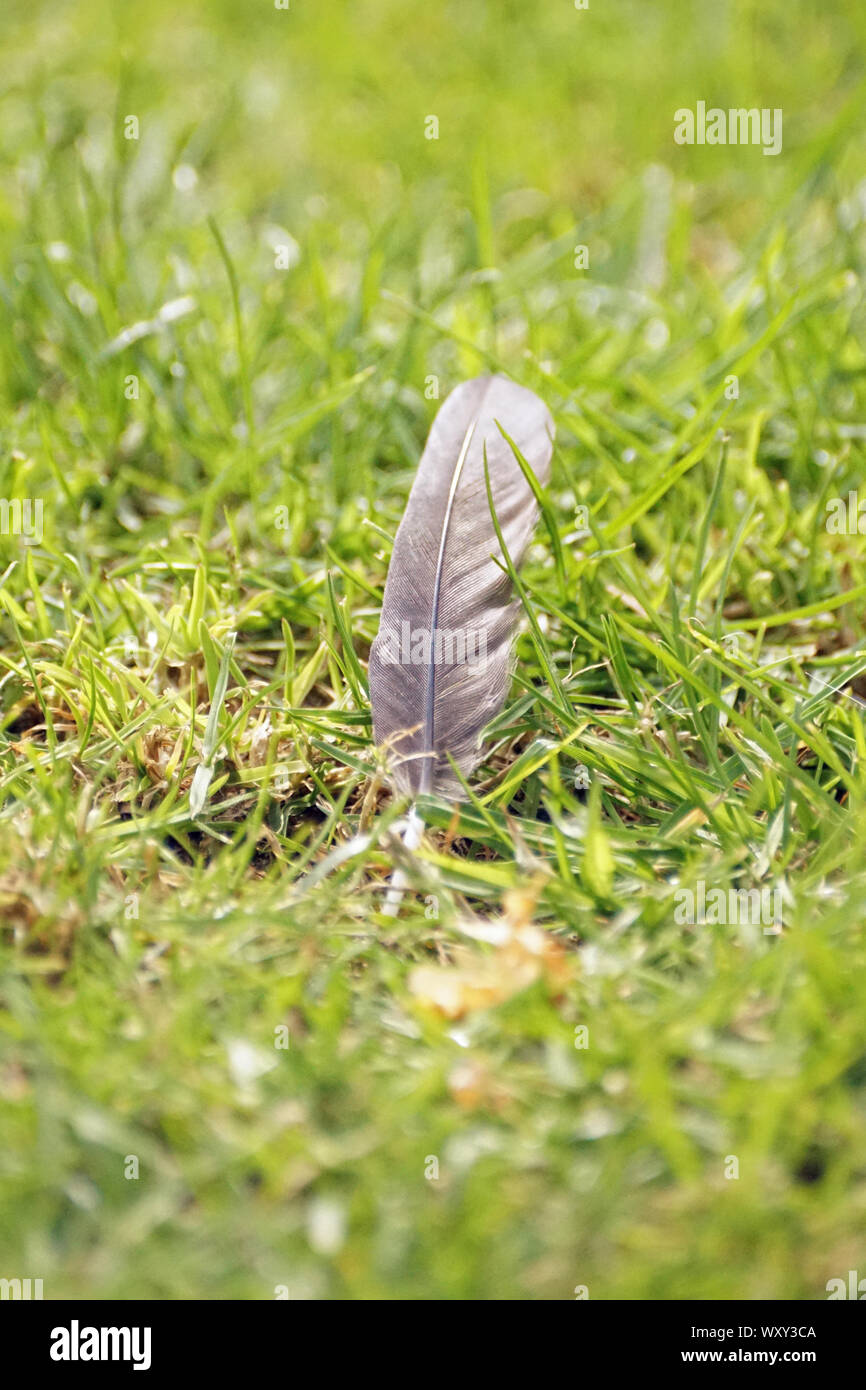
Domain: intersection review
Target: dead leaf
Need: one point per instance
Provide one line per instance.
(522, 953)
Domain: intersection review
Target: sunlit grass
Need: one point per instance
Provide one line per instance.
(220, 352)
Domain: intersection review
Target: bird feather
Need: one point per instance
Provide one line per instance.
(441, 664)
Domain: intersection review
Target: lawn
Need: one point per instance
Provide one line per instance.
(245, 252)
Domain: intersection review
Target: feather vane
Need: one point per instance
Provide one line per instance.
(441, 664)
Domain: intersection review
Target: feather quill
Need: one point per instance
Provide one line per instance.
(441, 664)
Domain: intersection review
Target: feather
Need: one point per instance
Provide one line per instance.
(441, 664)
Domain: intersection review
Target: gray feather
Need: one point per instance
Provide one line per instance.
(441, 666)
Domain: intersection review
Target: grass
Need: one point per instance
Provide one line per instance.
(216, 355)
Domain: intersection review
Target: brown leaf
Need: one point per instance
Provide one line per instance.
(522, 954)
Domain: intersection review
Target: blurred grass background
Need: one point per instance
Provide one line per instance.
(149, 954)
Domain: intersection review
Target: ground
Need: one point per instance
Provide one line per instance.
(244, 253)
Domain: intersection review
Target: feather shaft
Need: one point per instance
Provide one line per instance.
(440, 666)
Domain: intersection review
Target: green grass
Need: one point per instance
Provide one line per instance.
(221, 481)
